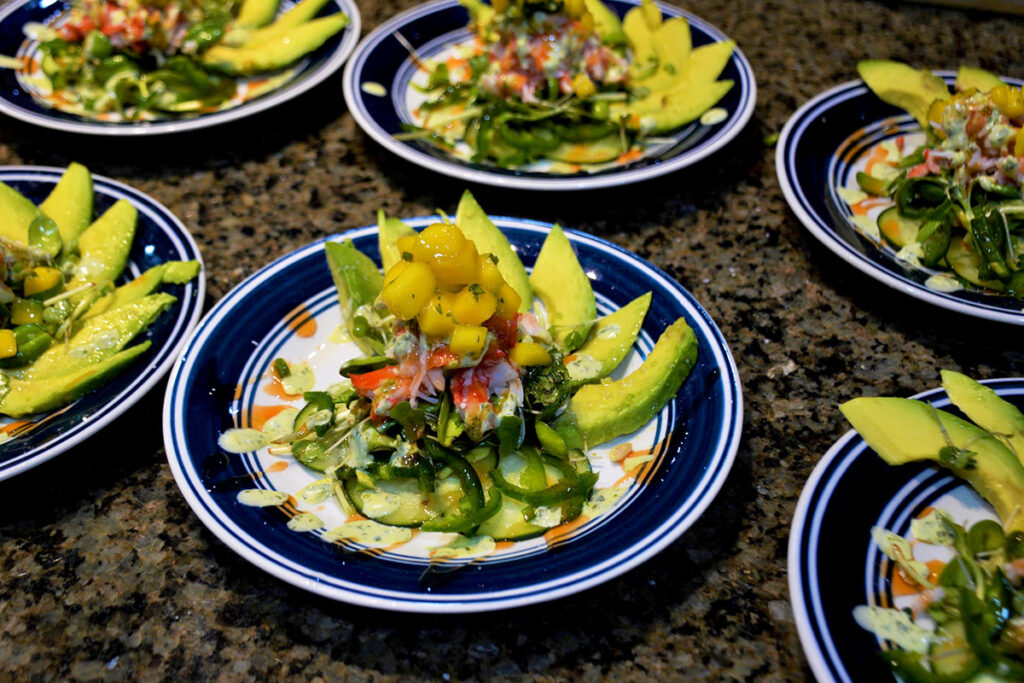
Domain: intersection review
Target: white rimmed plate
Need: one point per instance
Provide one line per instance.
(833, 563)
(377, 78)
(159, 237)
(289, 308)
(821, 148)
(22, 100)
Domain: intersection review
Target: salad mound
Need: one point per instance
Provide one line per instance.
(959, 612)
(471, 412)
(143, 59)
(64, 325)
(957, 203)
(567, 82)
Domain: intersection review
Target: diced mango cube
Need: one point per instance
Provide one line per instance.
(583, 86)
(8, 344)
(473, 305)
(409, 291)
(41, 279)
(508, 302)
(436, 318)
(468, 340)
(529, 353)
(459, 270)
(490, 277)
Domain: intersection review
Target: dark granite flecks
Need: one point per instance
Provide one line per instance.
(105, 573)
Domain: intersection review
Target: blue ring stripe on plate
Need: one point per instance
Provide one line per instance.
(725, 448)
(170, 228)
(354, 96)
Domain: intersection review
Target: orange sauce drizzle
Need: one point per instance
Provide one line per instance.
(279, 466)
(862, 207)
(17, 424)
(302, 321)
(260, 414)
(631, 155)
(275, 388)
(903, 586)
(564, 532)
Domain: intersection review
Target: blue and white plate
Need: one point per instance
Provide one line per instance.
(833, 563)
(821, 148)
(377, 89)
(23, 97)
(290, 309)
(159, 237)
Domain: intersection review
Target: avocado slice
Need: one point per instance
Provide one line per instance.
(641, 40)
(987, 410)
(967, 263)
(604, 411)
(667, 111)
(171, 272)
(672, 45)
(476, 226)
(388, 232)
(69, 203)
(904, 430)
(589, 152)
(606, 23)
(16, 214)
(256, 13)
(25, 397)
(610, 341)
(96, 339)
(276, 52)
(564, 289)
(358, 282)
(105, 246)
(968, 77)
(903, 86)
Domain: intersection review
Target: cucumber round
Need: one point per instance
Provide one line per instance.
(396, 502)
(898, 230)
(967, 263)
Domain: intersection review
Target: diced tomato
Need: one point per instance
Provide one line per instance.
(504, 330)
(918, 171)
(441, 356)
(467, 391)
(540, 53)
(368, 381)
(975, 122)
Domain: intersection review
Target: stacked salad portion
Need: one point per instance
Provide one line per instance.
(143, 58)
(957, 199)
(566, 82)
(471, 411)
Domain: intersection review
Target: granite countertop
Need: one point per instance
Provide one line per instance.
(105, 572)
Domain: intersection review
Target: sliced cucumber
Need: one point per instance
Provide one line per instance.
(967, 263)
(951, 655)
(898, 230)
(396, 502)
(509, 523)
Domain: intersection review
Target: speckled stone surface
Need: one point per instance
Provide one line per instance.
(105, 573)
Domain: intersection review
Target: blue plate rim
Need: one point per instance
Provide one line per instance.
(461, 171)
(347, 43)
(818, 647)
(727, 445)
(822, 229)
(190, 313)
